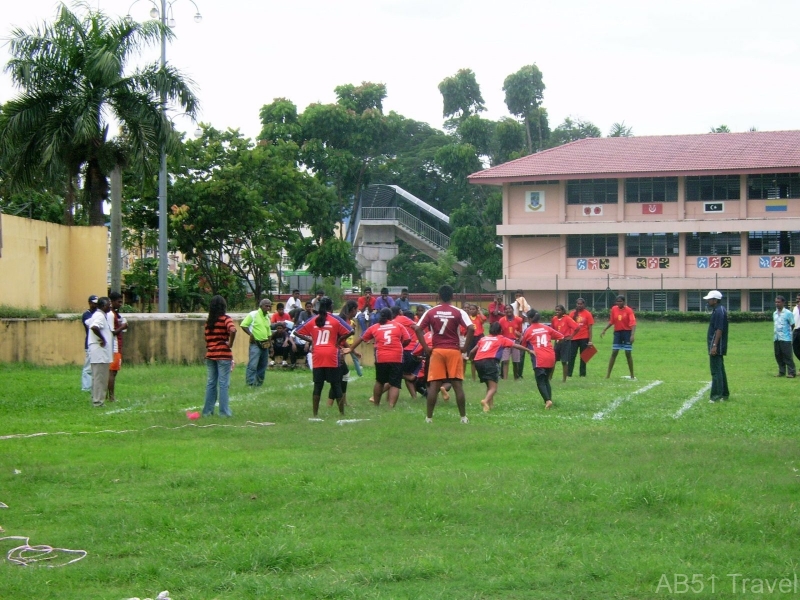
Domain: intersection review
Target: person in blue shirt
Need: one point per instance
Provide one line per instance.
(783, 322)
(403, 302)
(717, 338)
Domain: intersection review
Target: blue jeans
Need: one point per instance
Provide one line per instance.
(86, 374)
(357, 364)
(256, 365)
(219, 373)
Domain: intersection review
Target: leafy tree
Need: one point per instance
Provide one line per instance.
(508, 141)
(279, 121)
(74, 76)
(720, 129)
(461, 95)
(524, 94)
(620, 130)
(571, 130)
(474, 238)
(142, 280)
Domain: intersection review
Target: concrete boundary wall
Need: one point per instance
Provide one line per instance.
(176, 339)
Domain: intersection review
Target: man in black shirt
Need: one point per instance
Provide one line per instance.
(717, 346)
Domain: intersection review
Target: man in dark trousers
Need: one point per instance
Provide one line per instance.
(717, 346)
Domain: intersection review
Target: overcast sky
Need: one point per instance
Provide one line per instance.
(667, 67)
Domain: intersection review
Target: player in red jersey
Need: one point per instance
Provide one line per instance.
(512, 329)
(390, 338)
(582, 338)
(445, 359)
(564, 325)
(486, 357)
(623, 321)
(325, 332)
(538, 337)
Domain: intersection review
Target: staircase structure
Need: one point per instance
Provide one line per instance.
(386, 213)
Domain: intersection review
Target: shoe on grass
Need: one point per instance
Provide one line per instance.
(464, 420)
(428, 420)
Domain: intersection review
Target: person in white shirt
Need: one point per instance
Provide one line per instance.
(294, 305)
(101, 349)
(520, 305)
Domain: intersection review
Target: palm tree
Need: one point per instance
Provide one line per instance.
(620, 130)
(73, 76)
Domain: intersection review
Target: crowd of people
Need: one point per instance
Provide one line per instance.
(427, 350)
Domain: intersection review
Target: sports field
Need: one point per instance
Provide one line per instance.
(627, 489)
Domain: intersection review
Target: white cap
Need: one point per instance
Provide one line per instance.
(713, 294)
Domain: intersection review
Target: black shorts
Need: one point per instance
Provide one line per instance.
(487, 370)
(332, 375)
(563, 351)
(391, 373)
(411, 363)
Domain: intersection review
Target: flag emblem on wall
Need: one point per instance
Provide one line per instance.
(652, 209)
(776, 206)
(593, 210)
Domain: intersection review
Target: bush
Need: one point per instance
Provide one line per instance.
(10, 312)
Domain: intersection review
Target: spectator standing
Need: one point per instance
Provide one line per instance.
(366, 305)
(623, 321)
(86, 373)
(101, 340)
(582, 338)
(220, 332)
(717, 339)
(497, 310)
(119, 326)
(796, 331)
(783, 323)
(403, 302)
(520, 305)
(257, 326)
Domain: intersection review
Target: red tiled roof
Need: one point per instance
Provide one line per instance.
(638, 156)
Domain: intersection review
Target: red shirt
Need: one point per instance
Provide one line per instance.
(362, 303)
(565, 325)
(491, 346)
(478, 320)
(280, 318)
(512, 329)
(585, 320)
(217, 338)
(538, 337)
(622, 318)
(444, 320)
(493, 307)
(325, 339)
(389, 341)
(408, 324)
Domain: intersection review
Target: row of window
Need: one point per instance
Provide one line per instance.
(698, 188)
(759, 243)
(663, 300)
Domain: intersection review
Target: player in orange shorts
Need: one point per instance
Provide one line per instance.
(445, 360)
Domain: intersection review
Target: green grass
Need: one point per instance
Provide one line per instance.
(520, 503)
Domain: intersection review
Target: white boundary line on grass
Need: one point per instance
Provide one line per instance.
(691, 401)
(247, 425)
(613, 406)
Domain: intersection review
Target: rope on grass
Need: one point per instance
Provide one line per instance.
(27, 555)
(247, 425)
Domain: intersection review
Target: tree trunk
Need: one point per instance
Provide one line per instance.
(69, 201)
(97, 192)
(528, 131)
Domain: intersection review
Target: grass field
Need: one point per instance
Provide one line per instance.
(625, 490)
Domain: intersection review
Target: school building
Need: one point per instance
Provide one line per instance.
(661, 220)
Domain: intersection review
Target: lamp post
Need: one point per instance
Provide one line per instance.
(165, 15)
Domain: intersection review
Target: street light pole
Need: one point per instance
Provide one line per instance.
(163, 259)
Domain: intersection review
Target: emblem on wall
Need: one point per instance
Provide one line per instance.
(713, 207)
(652, 209)
(714, 262)
(593, 264)
(652, 262)
(775, 262)
(534, 201)
(593, 210)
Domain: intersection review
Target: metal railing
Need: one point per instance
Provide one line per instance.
(407, 221)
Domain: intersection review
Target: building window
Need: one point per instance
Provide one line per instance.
(651, 244)
(656, 300)
(773, 186)
(764, 300)
(651, 189)
(731, 299)
(584, 246)
(713, 244)
(595, 300)
(765, 243)
(713, 187)
(592, 191)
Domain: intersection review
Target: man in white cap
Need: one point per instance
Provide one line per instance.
(717, 346)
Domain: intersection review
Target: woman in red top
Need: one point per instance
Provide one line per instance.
(390, 338)
(220, 332)
(326, 333)
(485, 356)
(566, 326)
(623, 321)
(512, 329)
(538, 337)
(478, 319)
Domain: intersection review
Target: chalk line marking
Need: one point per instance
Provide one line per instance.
(691, 401)
(247, 425)
(347, 421)
(613, 406)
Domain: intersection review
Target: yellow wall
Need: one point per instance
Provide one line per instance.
(44, 264)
